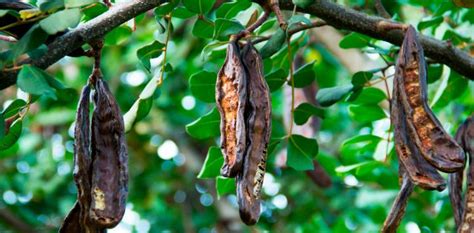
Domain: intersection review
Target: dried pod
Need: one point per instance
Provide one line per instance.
(436, 146)
(109, 160)
(231, 96)
(258, 124)
(399, 205)
(82, 155)
(455, 182)
(419, 171)
(467, 225)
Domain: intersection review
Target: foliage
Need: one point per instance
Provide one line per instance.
(173, 126)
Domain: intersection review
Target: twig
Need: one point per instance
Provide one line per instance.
(254, 26)
(292, 79)
(381, 10)
(314, 24)
(9, 218)
(275, 6)
(95, 28)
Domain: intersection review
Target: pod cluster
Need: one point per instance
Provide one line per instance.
(244, 104)
(422, 145)
(100, 162)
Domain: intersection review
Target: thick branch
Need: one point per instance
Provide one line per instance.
(352, 20)
(96, 28)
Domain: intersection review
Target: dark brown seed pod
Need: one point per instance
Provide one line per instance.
(109, 160)
(231, 96)
(399, 205)
(436, 146)
(467, 225)
(82, 155)
(419, 171)
(455, 182)
(258, 115)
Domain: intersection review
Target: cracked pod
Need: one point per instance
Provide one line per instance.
(436, 146)
(231, 97)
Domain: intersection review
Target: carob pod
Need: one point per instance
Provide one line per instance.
(258, 124)
(231, 97)
(467, 224)
(398, 209)
(455, 181)
(436, 146)
(78, 218)
(419, 171)
(109, 183)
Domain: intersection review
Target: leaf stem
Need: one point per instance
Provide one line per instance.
(165, 49)
(290, 60)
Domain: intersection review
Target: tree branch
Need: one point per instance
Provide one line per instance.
(344, 18)
(95, 28)
(11, 219)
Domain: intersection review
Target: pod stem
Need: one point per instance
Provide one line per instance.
(96, 53)
(252, 27)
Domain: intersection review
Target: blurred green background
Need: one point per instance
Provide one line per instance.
(165, 195)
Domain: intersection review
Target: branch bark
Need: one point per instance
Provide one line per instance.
(332, 13)
(344, 18)
(96, 28)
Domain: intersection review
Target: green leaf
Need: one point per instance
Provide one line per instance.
(329, 96)
(456, 86)
(77, 3)
(302, 3)
(354, 40)
(432, 22)
(118, 36)
(304, 76)
(368, 95)
(212, 165)
(31, 40)
(94, 11)
(13, 108)
(362, 138)
(297, 21)
(206, 126)
(166, 8)
(229, 10)
(361, 78)
(366, 113)
(61, 21)
(301, 151)
(199, 6)
(434, 72)
(455, 37)
(182, 13)
(276, 79)
(203, 86)
(225, 186)
(226, 27)
(274, 44)
(142, 105)
(12, 136)
(203, 28)
(148, 52)
(50, 5)
(274, 142)
(34, 81)
(304, 111)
